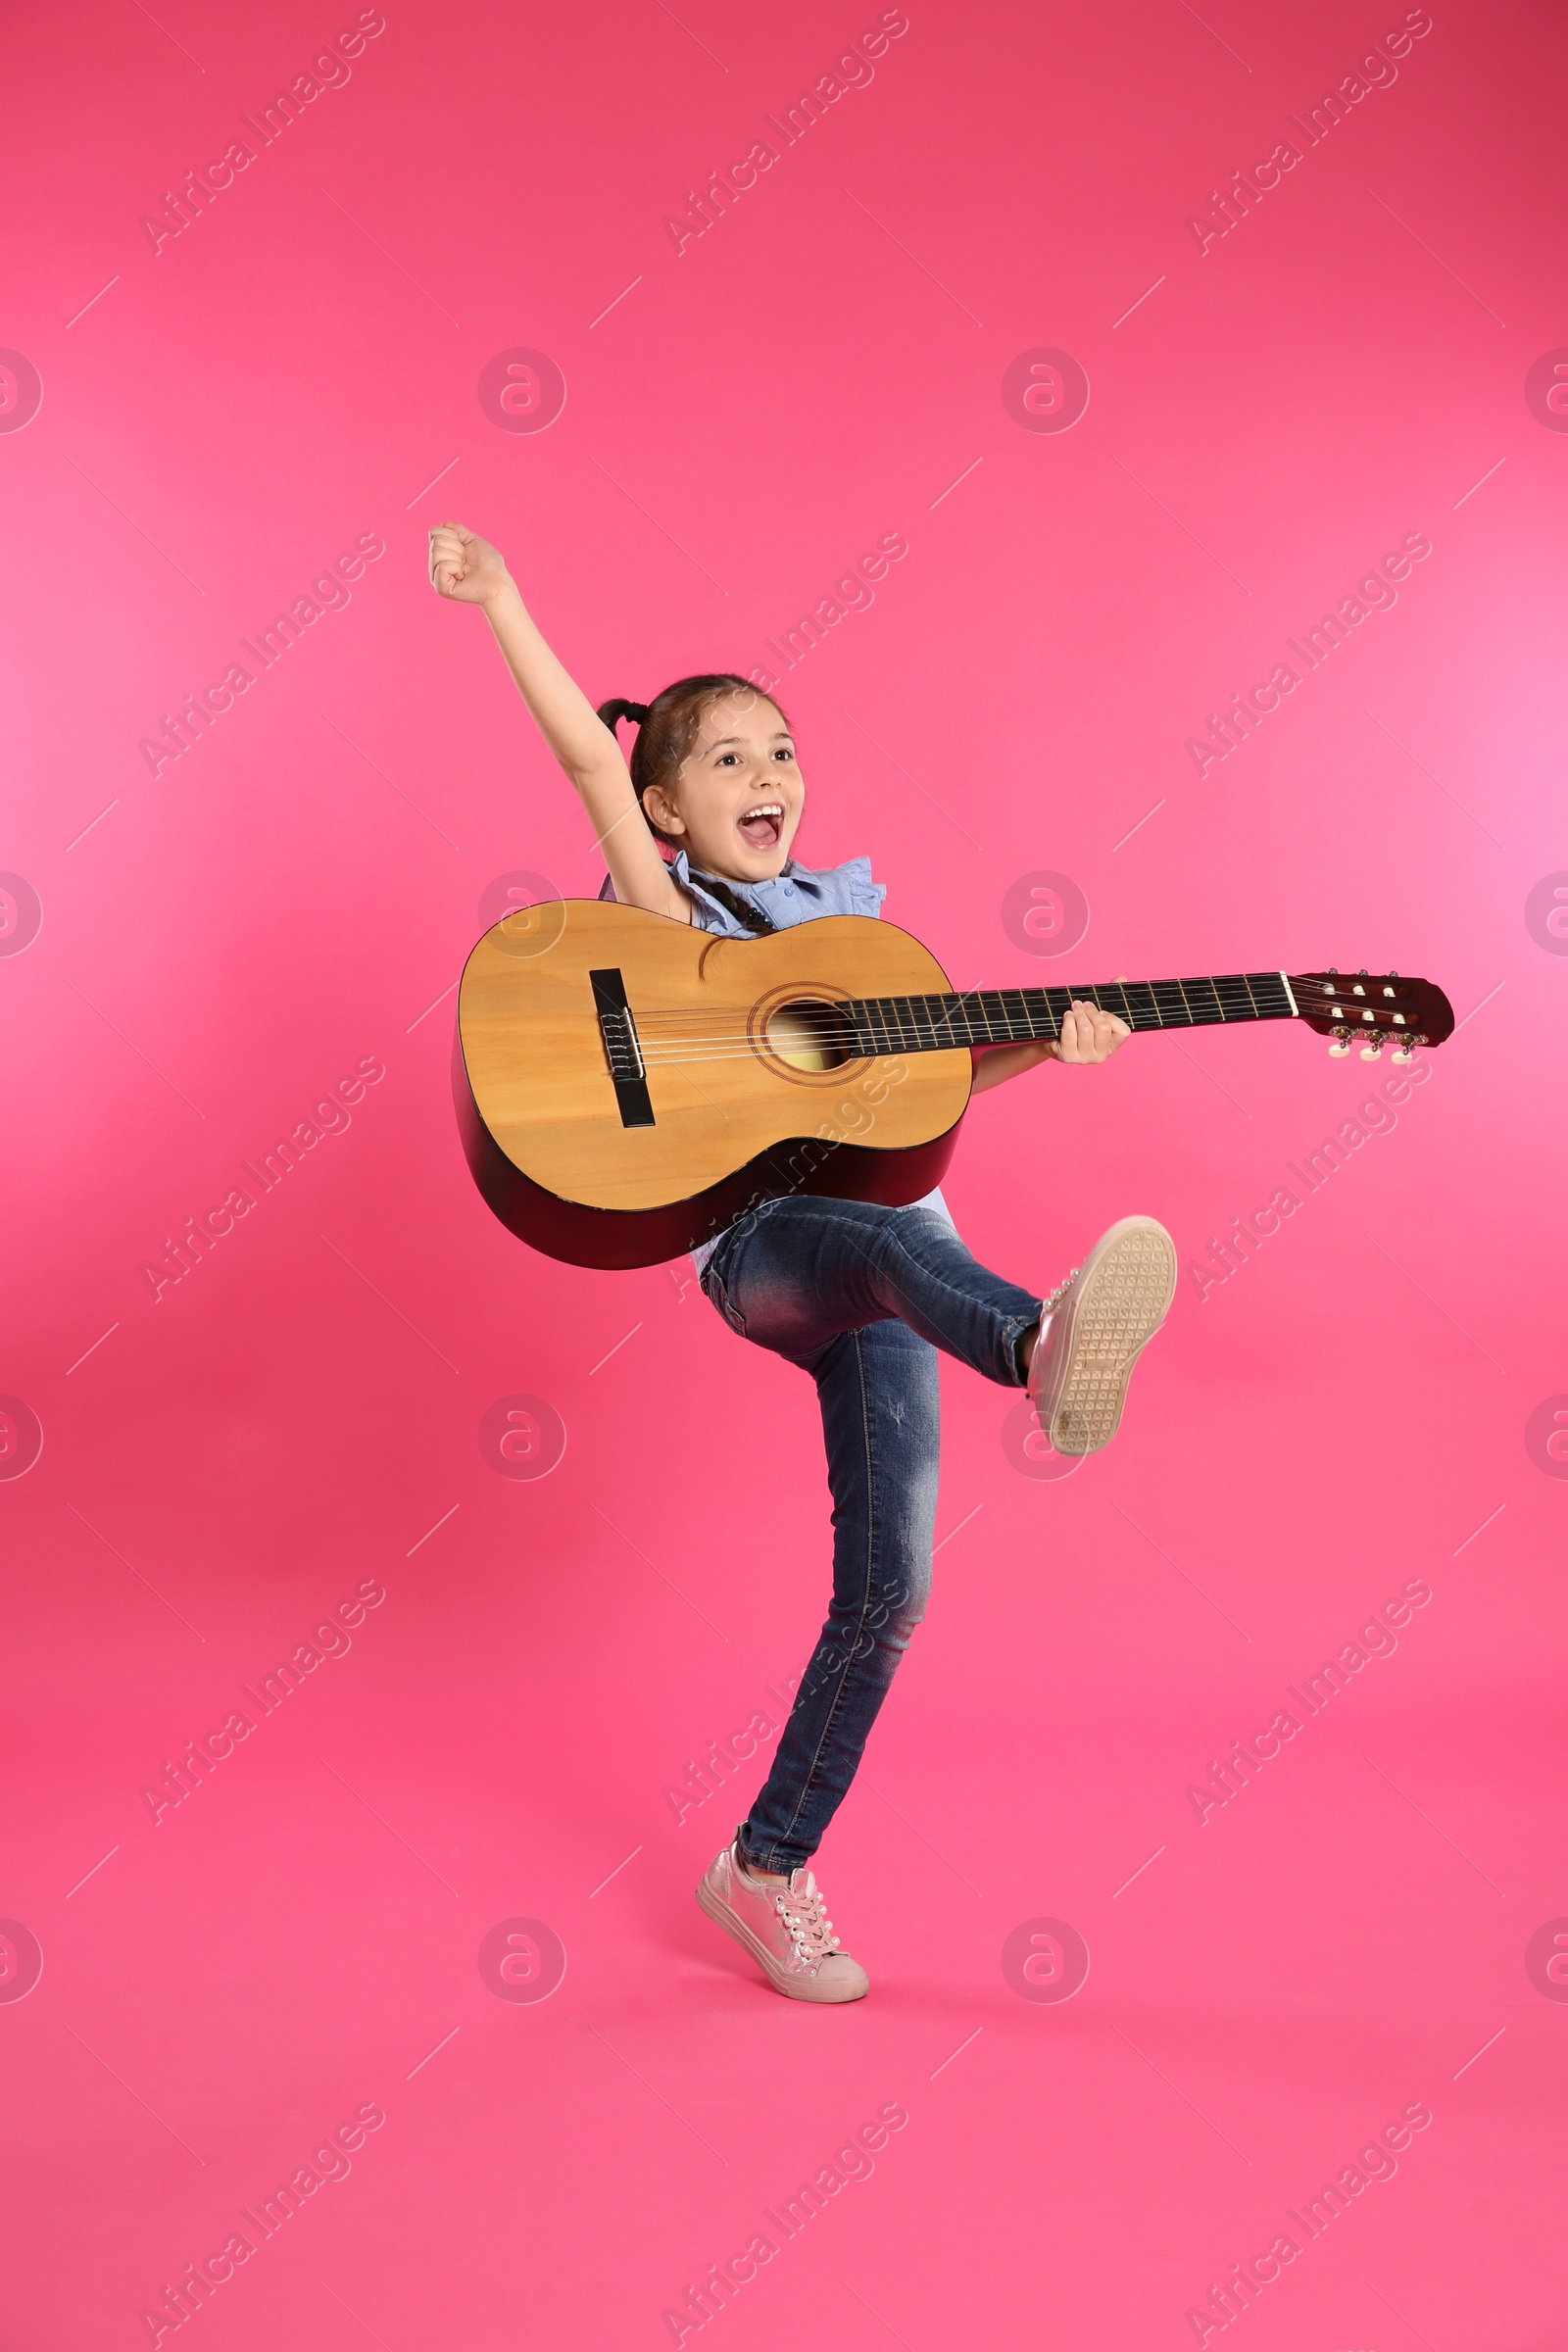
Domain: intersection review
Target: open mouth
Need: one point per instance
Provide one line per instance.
(762, 827)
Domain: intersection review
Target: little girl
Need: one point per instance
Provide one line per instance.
(859, 1295)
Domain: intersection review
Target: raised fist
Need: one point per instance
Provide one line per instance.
(464, 566)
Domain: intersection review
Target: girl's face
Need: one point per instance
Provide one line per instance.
(736, 804)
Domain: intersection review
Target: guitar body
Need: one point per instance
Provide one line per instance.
(612, 1142)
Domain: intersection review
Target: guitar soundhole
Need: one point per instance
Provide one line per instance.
(809, 1034)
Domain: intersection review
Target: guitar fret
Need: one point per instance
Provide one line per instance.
(1025, 1015)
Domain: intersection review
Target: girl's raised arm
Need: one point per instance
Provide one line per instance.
(471, 572)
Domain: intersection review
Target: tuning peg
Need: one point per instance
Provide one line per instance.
(1370, 1052)
(1404, 1053)
(1339, 1046)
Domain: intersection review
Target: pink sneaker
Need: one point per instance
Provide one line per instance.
(1094, 1326)
(783, 1927)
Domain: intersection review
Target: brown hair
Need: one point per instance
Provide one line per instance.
(669, 727)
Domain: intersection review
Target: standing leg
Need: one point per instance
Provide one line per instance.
(878, 1391)
(879, 1396)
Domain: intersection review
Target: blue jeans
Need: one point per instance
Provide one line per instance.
(861, 1297)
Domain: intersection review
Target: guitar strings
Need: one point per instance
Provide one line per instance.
(1239, 1009)
(829, 1025)
(724, 1044)
(659, 1046)
(1010, 1027)
(820, 1025)
(1237, 984)
(742, 1049)
(748, 1049)
(669, 1047)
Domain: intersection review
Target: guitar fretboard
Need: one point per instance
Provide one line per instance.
(995, 1016)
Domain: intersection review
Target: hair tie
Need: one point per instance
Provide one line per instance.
(637, 713)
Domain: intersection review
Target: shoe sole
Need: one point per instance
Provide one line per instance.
(1118, 1303)
(723, 1917)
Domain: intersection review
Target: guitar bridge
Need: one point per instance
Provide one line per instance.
(622, 1050)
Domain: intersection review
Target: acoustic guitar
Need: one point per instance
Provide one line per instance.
(627, 1086)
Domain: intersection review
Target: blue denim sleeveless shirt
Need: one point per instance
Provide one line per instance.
(794, 896)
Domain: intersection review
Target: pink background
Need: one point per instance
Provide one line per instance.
(299, 1416)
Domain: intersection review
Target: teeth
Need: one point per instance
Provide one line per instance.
(769, 809)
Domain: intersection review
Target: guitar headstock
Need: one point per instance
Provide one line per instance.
(1378, 1008)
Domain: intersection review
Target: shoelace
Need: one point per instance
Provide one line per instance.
(808, 1924)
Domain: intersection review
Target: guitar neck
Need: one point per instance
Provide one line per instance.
(998, 1016)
